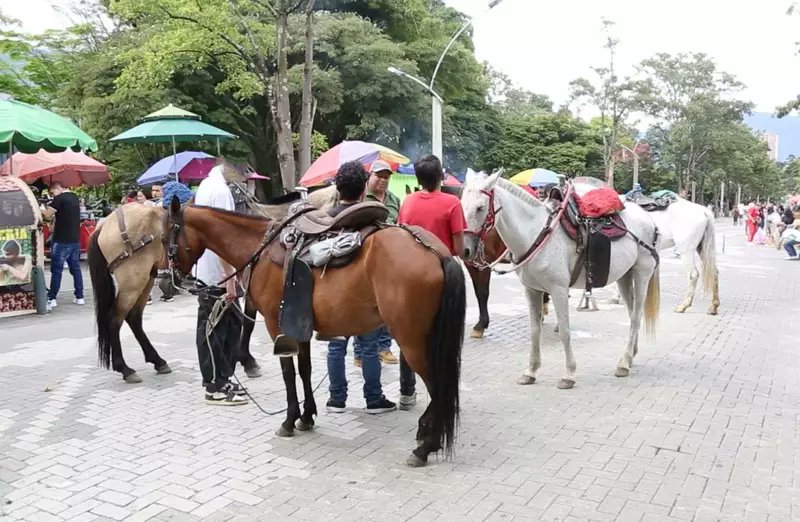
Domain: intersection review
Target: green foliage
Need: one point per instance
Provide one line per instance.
(553, 141)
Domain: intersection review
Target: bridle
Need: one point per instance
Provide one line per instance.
(175, 233)
(478, 259)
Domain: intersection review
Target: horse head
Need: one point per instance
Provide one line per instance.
(182, 251)
(477, 201)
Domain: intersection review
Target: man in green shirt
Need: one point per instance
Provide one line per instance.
(378, 190)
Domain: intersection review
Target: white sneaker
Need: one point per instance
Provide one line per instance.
(79, 301)
(407, 402)
(51, 303)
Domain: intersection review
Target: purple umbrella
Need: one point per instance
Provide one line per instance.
(195, 162)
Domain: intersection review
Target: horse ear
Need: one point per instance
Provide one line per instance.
(174, 206)
(471, 176)
(491, 181)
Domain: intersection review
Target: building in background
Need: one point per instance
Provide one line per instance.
(772, 144)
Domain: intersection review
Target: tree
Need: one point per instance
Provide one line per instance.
(616, 98)
(557, 142)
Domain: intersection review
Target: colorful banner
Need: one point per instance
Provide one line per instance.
(16, 256)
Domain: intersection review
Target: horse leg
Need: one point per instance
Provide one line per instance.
(292, 403)
(248, 362)
(561, 303)
(306, 421)
(480, 282)
(638, 279)
(535, 305)
(117, 361)
(625, 292)
(134, 320)
(691, 267)
(714, 308)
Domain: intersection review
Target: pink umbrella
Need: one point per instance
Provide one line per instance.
(69, 168)
(325, 167)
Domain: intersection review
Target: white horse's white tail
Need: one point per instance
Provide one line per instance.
(652, 304)
(708, 254)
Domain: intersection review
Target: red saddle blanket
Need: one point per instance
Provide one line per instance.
(598, 203)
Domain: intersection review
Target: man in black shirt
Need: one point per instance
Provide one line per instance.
(66, 208)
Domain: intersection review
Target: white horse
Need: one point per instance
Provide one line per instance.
(520, 219)
(689, 228)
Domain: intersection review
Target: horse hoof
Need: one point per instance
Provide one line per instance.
(476, 334)
(565, 384)
(415, 462)
(622, 372)
(712, 311)
(283, 432)
(162, 370)
(132, 378)
(680, 309)
(526, 379)
(253, 372)
(303, 426)
(555, 329)
(614, 301)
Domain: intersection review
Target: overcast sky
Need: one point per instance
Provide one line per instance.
(543, 44)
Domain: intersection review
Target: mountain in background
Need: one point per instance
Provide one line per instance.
(787, 129)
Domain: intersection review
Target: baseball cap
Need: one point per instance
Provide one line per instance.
(380, 165)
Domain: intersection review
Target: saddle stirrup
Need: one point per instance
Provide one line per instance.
(285, 346)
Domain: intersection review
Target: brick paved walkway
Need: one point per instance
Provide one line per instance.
(705, 428)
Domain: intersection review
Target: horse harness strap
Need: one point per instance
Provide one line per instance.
(553, 218)
(130, 248)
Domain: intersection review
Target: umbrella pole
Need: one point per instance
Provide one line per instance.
(10, 158)
(175, 159)
(218, 149)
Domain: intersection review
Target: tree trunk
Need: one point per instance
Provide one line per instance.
(282, 110)
(307, 116)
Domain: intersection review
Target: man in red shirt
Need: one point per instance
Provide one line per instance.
(432, 209)
(441, 215)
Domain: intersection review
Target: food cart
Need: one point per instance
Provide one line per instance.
(21, 247)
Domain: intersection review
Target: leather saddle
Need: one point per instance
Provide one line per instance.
(593, 237)
(650, 204)
(309, 225)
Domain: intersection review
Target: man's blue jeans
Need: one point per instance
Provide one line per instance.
(789, 247)
(71, 254)
(384, 342)
(370, 368)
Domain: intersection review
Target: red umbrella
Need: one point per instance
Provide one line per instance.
(69, 168)
(451, 181)
(325, 167)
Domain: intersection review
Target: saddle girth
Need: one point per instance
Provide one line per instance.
(130, 248)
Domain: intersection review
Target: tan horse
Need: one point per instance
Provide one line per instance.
(122, 295)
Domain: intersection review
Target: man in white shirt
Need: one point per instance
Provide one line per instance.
(217, 361)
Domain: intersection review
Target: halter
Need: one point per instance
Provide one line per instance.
(176, 231)
(488, 223)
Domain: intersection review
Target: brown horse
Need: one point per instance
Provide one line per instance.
(416, 290)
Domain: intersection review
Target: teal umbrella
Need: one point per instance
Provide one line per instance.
(170, 125)
(29, 128)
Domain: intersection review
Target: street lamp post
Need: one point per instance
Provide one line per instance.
(635, 161)
(436, 101)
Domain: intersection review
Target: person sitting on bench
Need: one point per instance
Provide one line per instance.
(351, 182)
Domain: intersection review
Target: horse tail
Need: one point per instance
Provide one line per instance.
(444, 355)
(708, 254)
(104, 298)
(652, 304)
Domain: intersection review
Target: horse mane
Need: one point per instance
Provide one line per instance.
(247, 217)
(518, 192)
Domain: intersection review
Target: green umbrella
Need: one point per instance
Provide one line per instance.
(30, 128)
(172, 124)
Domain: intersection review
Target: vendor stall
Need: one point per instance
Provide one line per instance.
(21, 247)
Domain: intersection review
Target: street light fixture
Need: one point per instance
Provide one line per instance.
(436, 100)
